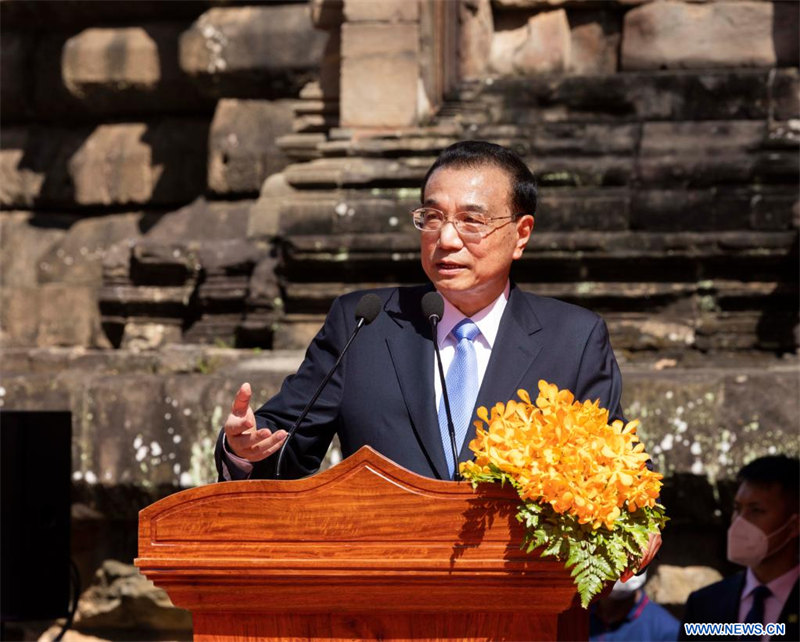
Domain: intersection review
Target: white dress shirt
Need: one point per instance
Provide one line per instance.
(781, 587)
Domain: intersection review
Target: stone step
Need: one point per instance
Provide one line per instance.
(696, 95)
(618, 245)
(318, 295)
(599, 209)
(176, 399)
(670, 330)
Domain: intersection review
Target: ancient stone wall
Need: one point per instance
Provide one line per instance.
(186, 186)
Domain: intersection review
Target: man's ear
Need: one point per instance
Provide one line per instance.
(794, 525)
(524, 230)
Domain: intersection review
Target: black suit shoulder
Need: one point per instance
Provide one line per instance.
(548, 309)
(717, 602)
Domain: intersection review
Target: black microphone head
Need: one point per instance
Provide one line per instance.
(369, 307)
(433, 305)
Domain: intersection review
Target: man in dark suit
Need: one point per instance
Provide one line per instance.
(763, 537)
(477, 217)
(478, 201)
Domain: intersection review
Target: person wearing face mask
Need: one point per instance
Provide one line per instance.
(763, 537)
(628, 614)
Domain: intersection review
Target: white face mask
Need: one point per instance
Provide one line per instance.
(748, 545)
(622, 590)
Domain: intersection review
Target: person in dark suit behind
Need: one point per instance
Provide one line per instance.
(475, 219)
(763, 536)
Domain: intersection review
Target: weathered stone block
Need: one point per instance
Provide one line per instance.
(475, 37)
(784, 95)
(673, 584)
(139, 336)
(584, 209)
(253, 51)
(708, 137)
(680, 96)
(97, 82)
(24, 239)
(584, 139)
(116, 164)
(584, 172)
(706, 210)
(379, 75)
(120, 595)
(348, 212)
(341, 172)
(708, 152)
(594, 45)
(150, 429)
(164, 264)
(127, 70)
(22, 176)
(122, 58)
(78, 257)
(265, 212)
(51, 315)
(707, 424)
(156, 164)
(542, 45)
(243, 148)
(384, 11)
(202, 220)
(16, 90)
(774, 209)
(675, 35)
(327, 14)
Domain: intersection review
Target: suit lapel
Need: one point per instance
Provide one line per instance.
(730, 600)
(514, 351)
(411, 350)
(789, 614)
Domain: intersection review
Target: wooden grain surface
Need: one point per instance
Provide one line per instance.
(365, 550)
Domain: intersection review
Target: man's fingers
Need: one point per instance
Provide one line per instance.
(257, 445)
(268, 445)
(237, 425)
(241, 402)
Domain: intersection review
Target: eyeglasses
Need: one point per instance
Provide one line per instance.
(469, 225)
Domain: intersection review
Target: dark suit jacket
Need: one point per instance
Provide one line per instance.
(719, 602)
(383, 395)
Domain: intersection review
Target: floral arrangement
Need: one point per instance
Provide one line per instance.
(588, 496)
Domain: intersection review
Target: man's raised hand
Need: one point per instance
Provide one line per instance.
(244, 440)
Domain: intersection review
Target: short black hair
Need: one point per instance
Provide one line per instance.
(774, 469)
(477, 153)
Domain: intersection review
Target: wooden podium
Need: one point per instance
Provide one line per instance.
(364, 551)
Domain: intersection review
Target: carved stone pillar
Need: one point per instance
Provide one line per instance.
(399, 58)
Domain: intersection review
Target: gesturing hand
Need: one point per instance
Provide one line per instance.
(244, 440)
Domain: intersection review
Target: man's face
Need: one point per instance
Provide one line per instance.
(472, 274)
(768, 507)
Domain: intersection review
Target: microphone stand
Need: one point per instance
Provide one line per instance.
(434, 321)
(361, 322)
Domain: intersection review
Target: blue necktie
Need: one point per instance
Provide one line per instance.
(462, 389)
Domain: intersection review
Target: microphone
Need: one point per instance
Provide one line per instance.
(433, 310)
(368, 307)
